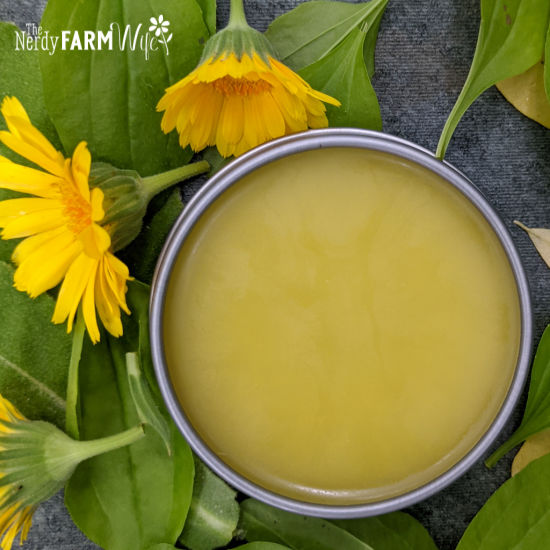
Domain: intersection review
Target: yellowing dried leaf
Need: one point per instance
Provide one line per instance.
(526, 93)
(541, 240)
(535, 447)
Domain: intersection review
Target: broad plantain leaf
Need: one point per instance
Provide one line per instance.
(342, 74)
(136, 497)
(516, 516)
(511, 39)
(109, 97)
(397, 531)
(537, 412)
(34, 353)
(311, 30)
(214, 512)
(260, 522)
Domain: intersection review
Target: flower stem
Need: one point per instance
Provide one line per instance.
(155, 184)
(237, 17)
(71, 416)
(89, 449)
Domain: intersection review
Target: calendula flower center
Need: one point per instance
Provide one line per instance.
(230, 86)
(76, 210)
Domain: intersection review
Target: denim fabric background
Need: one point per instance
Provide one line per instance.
(423, 55)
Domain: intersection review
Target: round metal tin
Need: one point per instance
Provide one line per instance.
(320, 139)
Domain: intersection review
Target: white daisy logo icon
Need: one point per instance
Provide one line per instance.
(160, 27)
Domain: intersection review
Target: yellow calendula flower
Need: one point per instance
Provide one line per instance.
(36, 460)
(77, 217)
(240, 95)
(63, 241)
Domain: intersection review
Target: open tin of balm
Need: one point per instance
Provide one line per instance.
(340, 323)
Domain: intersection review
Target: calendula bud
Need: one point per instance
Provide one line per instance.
(125, 202)
(126, 196)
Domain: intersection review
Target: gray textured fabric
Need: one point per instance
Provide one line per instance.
(423, 56)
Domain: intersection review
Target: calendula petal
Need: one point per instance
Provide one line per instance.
(28, 151)
(43, 270)
(27, 180)
(12, 209)
(95, 240)
(80, 166)
(33, 223)
(88, 306)
(72, 289)
(55, 239)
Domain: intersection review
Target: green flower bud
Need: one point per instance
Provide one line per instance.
(125, 202)
(127, 194)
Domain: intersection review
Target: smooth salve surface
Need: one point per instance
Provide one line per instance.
(341, 326)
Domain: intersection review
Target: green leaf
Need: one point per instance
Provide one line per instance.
(147, 409)
(260, 522)
(136, 497)
(34, 353)
(313, 29)
(262, 546)
(516, 516)
(109, 98)
(511, 39)
(208, 8)
(214, 512)
(537, 412)
(141, 256)
(397, 531)
(342, 74)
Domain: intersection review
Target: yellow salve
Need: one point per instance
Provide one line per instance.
(341, 326)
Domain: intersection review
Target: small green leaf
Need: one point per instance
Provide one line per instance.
(208, 8)
(313, 29)
(138, 496)
(397, 531)
(109, 97)
(511, 39)
(516, 516)
(214, 512)
(260, 522)
(342, 74)
(34, 353)
(141, 256)
(146, 407)
(537, 412)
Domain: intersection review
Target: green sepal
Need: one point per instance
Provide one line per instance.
(125, 202)
(238, 39)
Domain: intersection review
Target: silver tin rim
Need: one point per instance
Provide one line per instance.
(319, 139)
